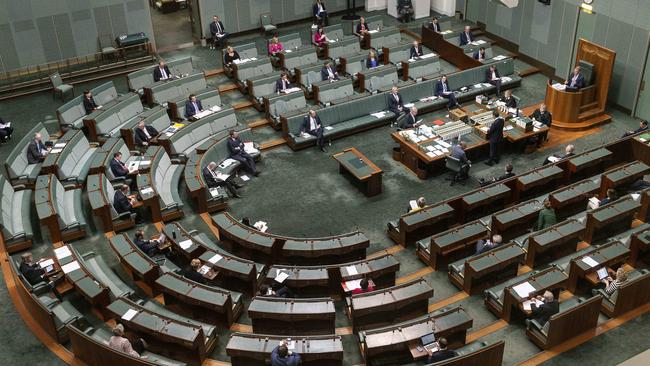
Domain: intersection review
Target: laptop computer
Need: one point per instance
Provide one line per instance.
(429, 342)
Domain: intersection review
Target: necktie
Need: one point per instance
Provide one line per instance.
(284, 85)
(444, 87)
(40, 149)
(163, 74)
(196, 107)
(146, 133)
(218, 27)
(312, 123)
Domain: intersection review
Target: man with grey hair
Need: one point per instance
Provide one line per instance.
(215, 179)
(569, 151)
(483, 246)
(542, 313)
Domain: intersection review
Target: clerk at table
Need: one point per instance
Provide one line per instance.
(410, 120)
(509, 100)
(541, 314)
(192, 107)
(495, 136)
(542, 115)
(466, 36)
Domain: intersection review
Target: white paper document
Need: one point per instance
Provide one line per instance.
(72, 266)
(185, 244)
(222, 176)
(352, 270)
(527, 304)
(60, 145)
(373, 31)
(204, 269)
(215, 258)
(590, 261)
(432, 154)
(249, 147)
(378, 114)
(146, 191)
(409, 105)
(62, 252)
(559, 86)
(245, 178)
(329, 128)
(55, 151)
(524, 289)
(129, 314)
(553, 159)
(353, 284)
(281, 276)
(228, 162)
(46, 263)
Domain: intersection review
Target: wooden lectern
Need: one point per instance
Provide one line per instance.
(585, 108)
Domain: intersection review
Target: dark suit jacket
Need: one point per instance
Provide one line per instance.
(359, 27)
(33, 156)
(121, 202)
(413, 54)
(435, 27)
(488, 74)
(157, 75)
(189, 108)
(315, 8)
(442, 355)
(408, 121)
(393, 105)
(214, 30)
(147, 246)
(235, 147)
(464, 40)
(194, 276)
(118, 168)
(140, 137)
(458, 153)
(544, 312)
(510, 102)
(278, 85)
(209, 179)
(439, 88)
(89, 105)
(580, 82)
(495, 133)
(32, 273)
(324, 75)
(546, 117)
(305, 124)
(477, 53)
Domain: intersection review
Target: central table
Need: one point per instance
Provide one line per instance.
(361, 168)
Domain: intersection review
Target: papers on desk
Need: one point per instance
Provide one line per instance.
(478, 86)
(506, 79)
(352, 270)
(559, 86)
(222, 176)
(500, 57)
(185, 244)
(378, 114)
(146, 191)
(226, 163)
(444, 144)
(524, 289)
(245, 178)
(249, 147)
(373, 31)
(484, 129)
(288, 51)
(203, 270)
(538, 124)
(291, 345)
(129, 314)
(409, 105)
(553, 159)
(281, 276)
(329, 128)
(72, 266)
(60, 145)
(304, 135)
(353, 284)
(214, 192)
(635, 196)
(428, 55)
(446, 32)
(55, 151)
(331, 40)
(480, 41)
(527, 304)
(261, 226)
(429, 99)
(133, 166)
(508, 128)
(62, 252)
(291, 90)
(215, 258)
(432, 154)
(590, 261)
(46, 263)
(593, 203)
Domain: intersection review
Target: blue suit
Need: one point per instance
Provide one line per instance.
(440, 93)
(464, 39)
(580, 81)
(291, 360)
(190, 110)
(118, 168)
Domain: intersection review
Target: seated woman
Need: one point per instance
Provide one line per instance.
(275, 46)
(320, 38)
(120, 343)
(372, 61)
(612, 285)
(611, 196)
(230, 56)
(365, 287)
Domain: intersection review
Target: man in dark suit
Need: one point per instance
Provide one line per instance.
(508, 174)
(211, 178)
(492, 76)
(31, 270)
(643, 126)
(192, 107)
(218, 32)
(569, 151)
(442, 90)
(509, 100)
(576, 80)
(161, 72)
(434, 25)
(466, 36)
(542, 115)
(480, 54)
(149, 247)
(283, 83)
(544, 312)
(410, 120)
(123, 202)
(144, 134)
(320, 13)
(416, 50)
(442, 354)
(312, 125)
(328, 72)
(395, 102)
(36, 150)
(483, 246)
(495, 136)
(89, 102)
(119, 169)
(458, 152)
(237, 152)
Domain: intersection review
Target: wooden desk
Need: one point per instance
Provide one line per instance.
(554, 242)
(515, 220)
(447, 51)
(273, 315)
(539, 181)
(610, 219)
(417, 225)
(547, 280)
(644, 211)
(304, 281)
(589, 163)
(253, 349)
(573, 198)
(606, 255)
(484, 201)
(352, 161)
(85, 283)
(623, 175)
(456, 241)
(639, 246)
(381, 271)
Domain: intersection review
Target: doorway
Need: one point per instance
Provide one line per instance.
(172, 25)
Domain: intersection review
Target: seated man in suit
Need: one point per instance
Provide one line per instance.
(283, 83)
(442, 354)
(312, 125)
(123, 201)
(509, 100)
(280, 356)
(442, 90)
(237, 151)
(145, 135)
(610, 196)
(416, 50)
(89, 102)
(420, 204)
(492, 76)
(410, 120)
(119, 169)
(643, 126)
(149, 247)
(320, 13)
(34, 274)
(541, 314)
(161, 72)
(466, 36)
(576, 80)
(213, 179)
(568, 152)
(192, 107)
(193, 272)
(483, 246)
(458, 152)
(279, 291)
(328, 72)
(508, 174)
(36, 150)
(218, 32)
(480, 54)
(395, 102)
(434, 25)
(5, 130)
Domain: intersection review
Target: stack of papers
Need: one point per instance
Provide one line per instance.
(129, 314)
(559, 86)
(228, 162)
(590, 261)
(249, 147)
(215, 258)
(329, 128)
(46, 263)
(508, 128)
(500, 57)
(353, 284)
(281, 276)
(524, 289)
(60, 145)
(56, 151)
(291, 90)
(527, 304)
(373, 31)
(378, 114)
(62, 252)
(214, 192)
(428, 55)
(261, 226)
(185, 244)
(352, 270)
(72, 266)
(204, 269)
(146, 191)
(409, 105)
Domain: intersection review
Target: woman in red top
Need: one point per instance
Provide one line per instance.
(365, 287)
(319, 37)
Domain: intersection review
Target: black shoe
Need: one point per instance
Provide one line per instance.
(257, 173)
(489, 163)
